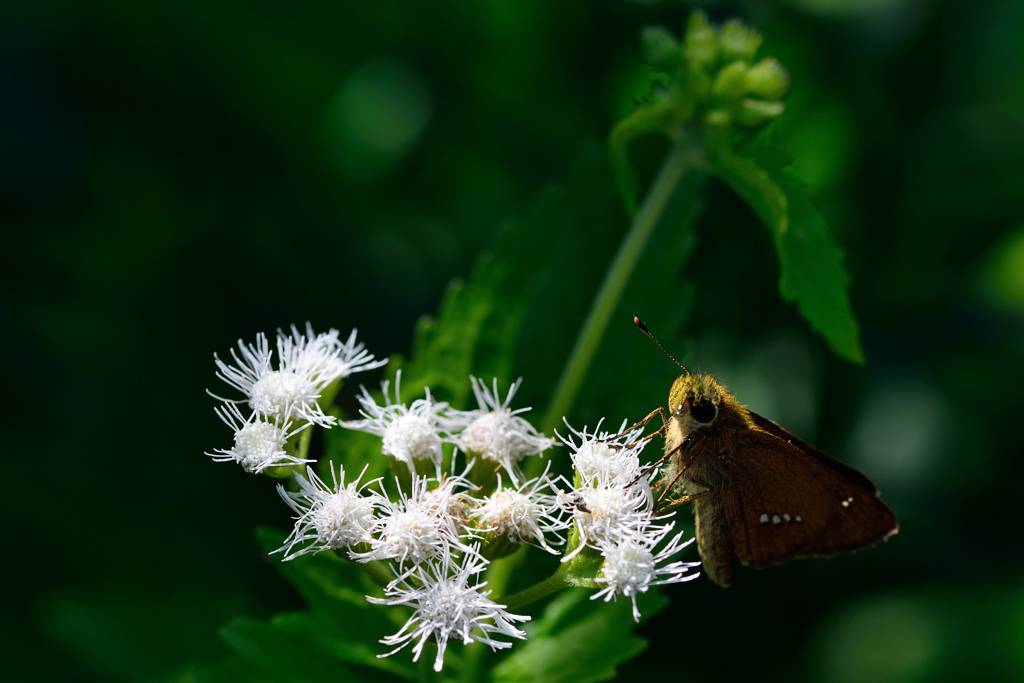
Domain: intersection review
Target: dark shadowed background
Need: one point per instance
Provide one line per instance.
(176, 175)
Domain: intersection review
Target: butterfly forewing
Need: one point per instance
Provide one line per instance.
(782, 502)
(841, 468)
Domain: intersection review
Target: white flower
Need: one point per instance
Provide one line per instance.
(416, 527)
(307, 364)
(611, 500)
(410, 434)
(450, 505)
(523, 514)
(600, 456)
(446, 607)
(495, 432)
(631, 566)
(259, 444)
(352, 357)
(333, 517)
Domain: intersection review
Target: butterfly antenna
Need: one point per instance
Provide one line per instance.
(643, 328)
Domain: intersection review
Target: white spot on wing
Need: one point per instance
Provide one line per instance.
(764, 518)
(799, 518)
(786, 517)
(776, 519)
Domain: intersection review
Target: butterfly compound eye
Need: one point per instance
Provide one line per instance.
(704, 411)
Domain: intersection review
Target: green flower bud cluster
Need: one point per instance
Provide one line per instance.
(711, 78)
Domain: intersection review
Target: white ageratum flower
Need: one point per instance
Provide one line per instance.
(631, 566)
(410, 434)
(415, 527)
(333, 517)
(523, 514)
(495, 432)
(611, 500)
(307, 364)
(351, 357)
(447, 607)
(259, 444)
(600, 455)
(451, 505)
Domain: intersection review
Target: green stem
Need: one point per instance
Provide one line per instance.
(378, 572)
(304, 439)
(672, 169)
(552, 584)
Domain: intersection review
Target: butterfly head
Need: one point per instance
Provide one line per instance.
(694, 400)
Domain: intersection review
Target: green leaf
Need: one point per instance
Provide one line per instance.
(577, 640)
(811, 263)
(340, 628)
(269, 654)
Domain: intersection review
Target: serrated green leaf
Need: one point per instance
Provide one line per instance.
(814, 276)
(811, 264)
(577, 640)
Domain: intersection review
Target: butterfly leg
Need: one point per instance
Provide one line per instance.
(679, 502)
(682, 445)
(643, 423)
(691, 446)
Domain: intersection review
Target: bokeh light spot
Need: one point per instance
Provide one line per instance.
(377, 116)
(898, 434)
(1002, 273)
(890, 640)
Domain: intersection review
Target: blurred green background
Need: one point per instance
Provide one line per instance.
(176, 175)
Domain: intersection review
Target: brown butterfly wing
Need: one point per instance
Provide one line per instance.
(841, 468)
(782, 502)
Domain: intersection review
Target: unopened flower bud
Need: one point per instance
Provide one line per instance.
(755, 113)
(731, 82)
(738, 41)
(718, 118)
(768, 79)
(699, 45)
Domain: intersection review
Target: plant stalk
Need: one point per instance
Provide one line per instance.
(378, 572)
(552, 584)
(678, 161)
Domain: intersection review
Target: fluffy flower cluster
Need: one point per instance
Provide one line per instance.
(429, 526)
(411, 433)
(445, 604)
(282, 402)
(492, 432)
(429, 534)
(436, 529)
(495, 432)
(613, 513)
